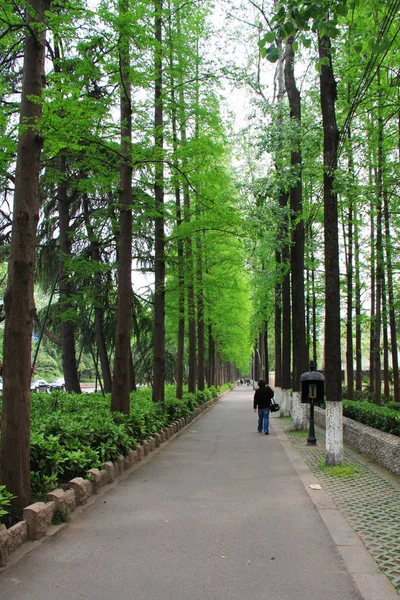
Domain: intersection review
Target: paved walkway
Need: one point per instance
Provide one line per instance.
(219, 513)
(367, 495)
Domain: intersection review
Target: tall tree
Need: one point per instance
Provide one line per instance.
(300, 351)
(159, 234)
(120, 397)
(331, 246)
(18, 301)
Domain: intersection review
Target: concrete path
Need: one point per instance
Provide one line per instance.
(219, 513)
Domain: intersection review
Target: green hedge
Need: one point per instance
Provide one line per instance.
(384, 418)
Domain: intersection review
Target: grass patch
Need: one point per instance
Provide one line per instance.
(339, 471)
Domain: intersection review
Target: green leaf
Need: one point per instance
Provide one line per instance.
(273, 54)
(270, 37)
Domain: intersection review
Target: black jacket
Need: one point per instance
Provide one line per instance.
(263, 397)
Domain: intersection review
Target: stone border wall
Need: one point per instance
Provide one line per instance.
(383, 447)
(38, 517)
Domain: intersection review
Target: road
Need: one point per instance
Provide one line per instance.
(219, 513)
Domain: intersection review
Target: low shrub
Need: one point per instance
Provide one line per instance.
(5, 504)
(381, 417)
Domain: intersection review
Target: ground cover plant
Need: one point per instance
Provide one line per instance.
(71, 433)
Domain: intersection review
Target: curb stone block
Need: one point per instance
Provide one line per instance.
(166, 432)
(82, 488)
(38, 518)
(152, 444)
(94, 476)
(146, 447)
(140, 452)
(121, 464)
(17, 535)
(103, 478)
(108, 468)
(133, 457)
(3, 546)
(57, 496)
(69, 500)
(158, 440)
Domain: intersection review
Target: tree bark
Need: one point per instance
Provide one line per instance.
(120, 395)
(18, 301)
(379, 266)
(159, 245)
(99, 302)
(300, 352)
(180, 254)
(357, 292)
(67, 325)
(349, 319)
(373, 290)
(332, 281)
(392, 315)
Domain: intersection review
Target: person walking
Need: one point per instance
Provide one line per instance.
(262, 401)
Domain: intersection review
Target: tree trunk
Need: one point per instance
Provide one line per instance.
(120, 395)
(385, 346)
(278, 326)
(99, 302)
(286, 327)
(357, 301)
(379, 266)
(180, 255)
(266, 352)
(314, 311)
(18, 300)
(392, 315)
(349, 275)
(373, 290)
(67, 326)
(334, 438)
(300, 352)
(132, 374)
(159, 245)
(200, 319)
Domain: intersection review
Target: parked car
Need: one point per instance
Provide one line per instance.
(39, 385)
(58, 384)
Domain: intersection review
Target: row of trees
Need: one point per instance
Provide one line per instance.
(123, 163)
(122, 157)
(331, 131)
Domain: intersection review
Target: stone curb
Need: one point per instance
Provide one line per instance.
(38, 517)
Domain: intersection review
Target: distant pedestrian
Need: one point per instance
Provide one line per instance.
(262, 402)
